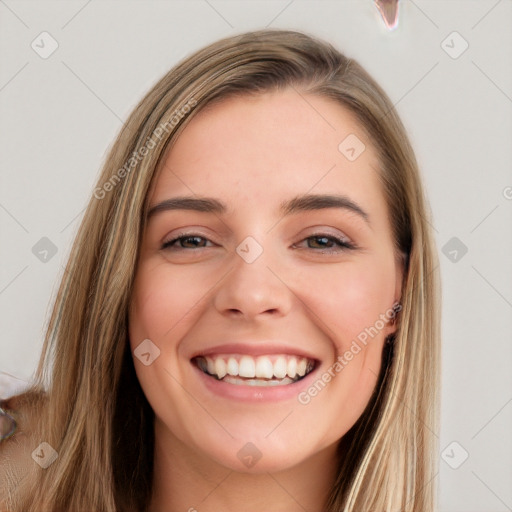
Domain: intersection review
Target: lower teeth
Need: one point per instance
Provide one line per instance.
(257, 382)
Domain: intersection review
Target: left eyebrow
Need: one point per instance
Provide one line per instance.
(321, 201)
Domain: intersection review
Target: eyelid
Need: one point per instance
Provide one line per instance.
(183, 234)
(320, 230)
(343, 242)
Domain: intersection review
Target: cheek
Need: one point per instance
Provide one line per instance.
(161, 302)
(351, 300)
(162, 310)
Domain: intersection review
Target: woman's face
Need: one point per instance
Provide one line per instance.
(246, 267)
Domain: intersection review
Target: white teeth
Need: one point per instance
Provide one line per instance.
(289, 368)
(232, 367)
(292, 367)
(247, 367)
(210, 365)
(301, 367)
(256, 382)
(220, 367)
(264, 368)
(280, 367)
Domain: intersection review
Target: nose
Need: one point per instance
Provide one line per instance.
(252, 290)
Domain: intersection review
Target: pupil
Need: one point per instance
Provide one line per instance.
(324, 240)
(196, 240)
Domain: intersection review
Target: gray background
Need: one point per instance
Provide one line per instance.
(59, 115)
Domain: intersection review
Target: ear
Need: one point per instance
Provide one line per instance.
(401, 261)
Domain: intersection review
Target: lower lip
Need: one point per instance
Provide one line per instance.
(255, 393)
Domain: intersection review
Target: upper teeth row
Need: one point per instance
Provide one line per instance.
(261, 366)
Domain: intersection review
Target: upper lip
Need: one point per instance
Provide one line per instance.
(258, 348)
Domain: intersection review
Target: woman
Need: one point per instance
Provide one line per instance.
(249, 317)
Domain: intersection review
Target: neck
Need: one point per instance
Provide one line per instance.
(188, 481)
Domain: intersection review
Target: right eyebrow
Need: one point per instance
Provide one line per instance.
(205, 204)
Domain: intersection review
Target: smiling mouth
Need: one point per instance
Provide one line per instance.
(245, 370)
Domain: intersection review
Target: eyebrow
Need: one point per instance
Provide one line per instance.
(203, 204)
(308, 202)
(305, 202)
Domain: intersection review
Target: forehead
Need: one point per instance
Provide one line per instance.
(269, 146)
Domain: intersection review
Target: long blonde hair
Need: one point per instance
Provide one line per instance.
(92, 409)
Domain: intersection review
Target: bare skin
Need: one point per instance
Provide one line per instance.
(304, 291)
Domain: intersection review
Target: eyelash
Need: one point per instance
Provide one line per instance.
(343, 245)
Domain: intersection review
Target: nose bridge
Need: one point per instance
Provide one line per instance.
(252, 286)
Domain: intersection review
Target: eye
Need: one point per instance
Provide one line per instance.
(327, 243)
(321, 241)
(186, 241)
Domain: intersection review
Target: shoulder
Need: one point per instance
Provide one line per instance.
(15, 451)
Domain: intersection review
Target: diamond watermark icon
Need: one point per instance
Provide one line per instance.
(351, 147)
(454, 455)
(44, 250)
(454, 45)
(146, 352)
(249, 454)
(45, 455)
(44, 45)
(249, 249)
(454, 249)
